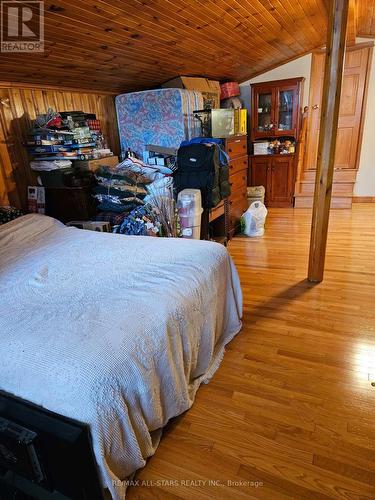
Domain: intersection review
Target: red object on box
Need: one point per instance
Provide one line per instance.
(229, 89)
(94, 125)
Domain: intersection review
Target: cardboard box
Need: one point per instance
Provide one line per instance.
(210, 89)
(229, 89)
(99, 226)
(36, 199)
(109, 161)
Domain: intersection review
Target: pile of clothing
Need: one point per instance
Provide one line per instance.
(126, 196)
(121, 189)
(141, 221)
(47, 166)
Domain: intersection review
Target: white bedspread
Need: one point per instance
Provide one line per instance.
(114, 331)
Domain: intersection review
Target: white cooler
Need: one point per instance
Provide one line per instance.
(189, 204)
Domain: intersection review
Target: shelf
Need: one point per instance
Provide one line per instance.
(288, 155)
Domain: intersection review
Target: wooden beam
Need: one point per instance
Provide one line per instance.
(334, 64)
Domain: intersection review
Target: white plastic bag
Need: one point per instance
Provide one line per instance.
(255, 218)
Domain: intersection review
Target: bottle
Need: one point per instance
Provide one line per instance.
(128, 153)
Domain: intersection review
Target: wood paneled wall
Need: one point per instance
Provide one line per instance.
(18, 107)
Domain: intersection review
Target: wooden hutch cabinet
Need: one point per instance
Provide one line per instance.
(276, 174)
(275, 116)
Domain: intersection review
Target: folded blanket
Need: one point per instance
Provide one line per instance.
(124, 174)
(125, 191)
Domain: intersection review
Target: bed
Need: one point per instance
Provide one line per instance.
(111, 330)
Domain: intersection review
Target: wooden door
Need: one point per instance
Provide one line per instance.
(260, 167)
(280, 182)
(351, 109)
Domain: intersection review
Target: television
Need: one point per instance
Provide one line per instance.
(44, 455)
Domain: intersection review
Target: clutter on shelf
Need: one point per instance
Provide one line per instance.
(277, 146)
(59, 138)
(69, 134)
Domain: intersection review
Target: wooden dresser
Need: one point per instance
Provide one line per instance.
(236, 147)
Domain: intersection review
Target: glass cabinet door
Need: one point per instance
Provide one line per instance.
(285, 110)
(264, 112)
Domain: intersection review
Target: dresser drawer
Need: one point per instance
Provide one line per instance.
(236, 146)
(237, 206)
(238, 164)
(217, 211)
(238, 195)
(238, 180)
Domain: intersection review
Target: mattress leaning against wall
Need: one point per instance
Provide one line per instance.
(163, 117)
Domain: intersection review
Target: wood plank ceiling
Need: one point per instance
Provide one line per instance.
(116, 45)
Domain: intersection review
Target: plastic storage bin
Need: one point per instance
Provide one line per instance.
(189, 204)
(214, 123)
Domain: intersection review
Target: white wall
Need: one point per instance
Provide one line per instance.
(293, 69)
(365, 185)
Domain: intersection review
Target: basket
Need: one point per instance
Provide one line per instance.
(255, 193)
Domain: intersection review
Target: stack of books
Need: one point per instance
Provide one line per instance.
(82, 140)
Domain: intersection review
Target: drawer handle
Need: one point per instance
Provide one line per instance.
(229, 150)
(237, 140)
(231, 183)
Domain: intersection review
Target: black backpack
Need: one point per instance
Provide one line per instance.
(198, 167)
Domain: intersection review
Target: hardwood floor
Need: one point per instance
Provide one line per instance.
(290, 414)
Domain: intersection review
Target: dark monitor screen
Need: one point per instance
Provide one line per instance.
(44, 455)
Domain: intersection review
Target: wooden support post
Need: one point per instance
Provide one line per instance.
(334, 63)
